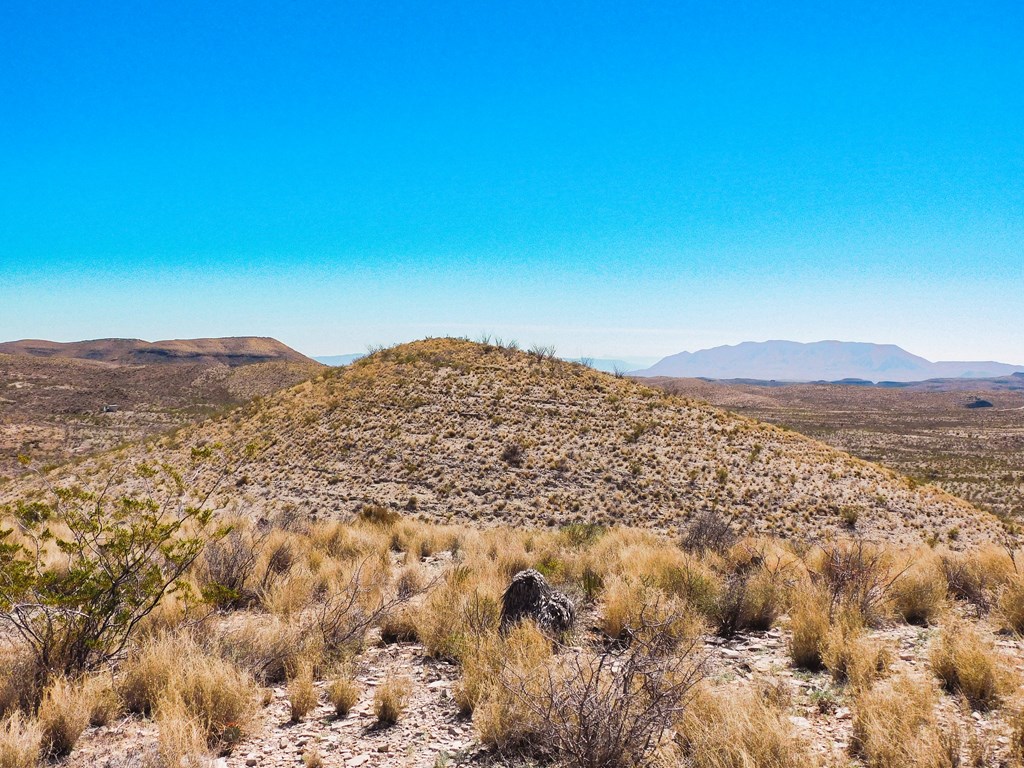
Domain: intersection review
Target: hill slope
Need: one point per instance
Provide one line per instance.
(457, 430)
(819, 361)
(231, 351)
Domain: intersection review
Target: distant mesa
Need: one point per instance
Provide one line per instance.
(830, 361)
(231, 351)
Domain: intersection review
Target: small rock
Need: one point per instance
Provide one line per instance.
(357, 761)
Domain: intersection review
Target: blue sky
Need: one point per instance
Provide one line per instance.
(615, 179)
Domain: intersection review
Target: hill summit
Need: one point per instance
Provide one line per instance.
(452, 430)
(818, 361)
(231, 351)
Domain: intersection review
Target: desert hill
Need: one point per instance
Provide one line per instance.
(454, 430)
(56, 408)
(231, 351)
(818, 361)
(928, 430)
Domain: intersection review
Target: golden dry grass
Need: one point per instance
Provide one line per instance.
(20, 742)
(207, 689)
(302, 695)
(737, 727)
(391, 698)
(968, 664)
(63, 715)
(895, 725)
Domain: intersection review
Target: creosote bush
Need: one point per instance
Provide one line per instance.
(86, 569)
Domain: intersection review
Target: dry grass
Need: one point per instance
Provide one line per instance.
(343, 693)
(208, 689)
(302, 695)
(20, 742)
(103, 701)
(737, 728)
(63, 715)
(181, 739)
(391, 698)
(919, 593)
(968, 664)
(1011, 604)
(809, 627)
(19, 674)
(853, 657)
(895, 726)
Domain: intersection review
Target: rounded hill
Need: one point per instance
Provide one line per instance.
(459, 431)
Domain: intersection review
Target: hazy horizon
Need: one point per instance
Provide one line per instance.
(613, 181)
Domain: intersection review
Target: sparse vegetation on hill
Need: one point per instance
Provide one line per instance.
(459, 431)
(56, 409)
(928, 432)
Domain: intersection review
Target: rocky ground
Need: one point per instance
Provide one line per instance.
(432, 733)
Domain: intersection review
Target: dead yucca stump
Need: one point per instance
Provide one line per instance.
(529, 596)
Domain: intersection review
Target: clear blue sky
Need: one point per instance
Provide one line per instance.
(629, 178)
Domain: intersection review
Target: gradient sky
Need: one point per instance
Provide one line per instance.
(615, 179)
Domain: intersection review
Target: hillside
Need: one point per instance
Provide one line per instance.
(452, 430)
(232, 351)
(818, 361)
(925, 430)
(55, 409)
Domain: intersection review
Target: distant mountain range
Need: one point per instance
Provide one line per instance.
(818, 361)
(231, 351)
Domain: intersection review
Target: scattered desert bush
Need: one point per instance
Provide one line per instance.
(709, 531)
(609, 707)
(115, 558)
(895, 725)
(857, 577)
(968, 664)
(20, 742)
(729, 728)
(63, 716)
(391, 698)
